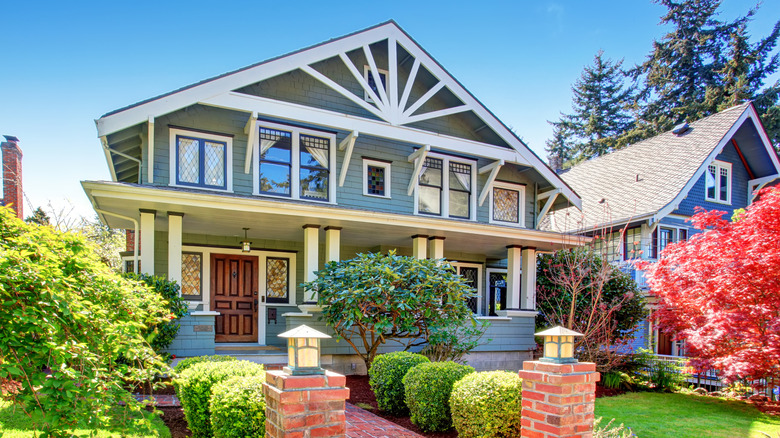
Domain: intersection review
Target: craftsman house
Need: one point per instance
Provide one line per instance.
(639, 199)
(241, 186)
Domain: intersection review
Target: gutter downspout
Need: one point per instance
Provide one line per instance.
(135, 234)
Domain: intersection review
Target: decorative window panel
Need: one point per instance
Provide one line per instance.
(375, 180)
(506, 203)
(277, 280)
(201, 162)
(191, 275)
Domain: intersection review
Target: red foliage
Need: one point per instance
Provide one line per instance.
(720, 290)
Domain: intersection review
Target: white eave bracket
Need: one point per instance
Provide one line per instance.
(418, 155)
(493, 168)
(251, 132)
(348, 143)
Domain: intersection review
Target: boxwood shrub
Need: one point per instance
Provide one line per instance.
(487, 405)
(190, 361)
(238, 407)
(385, 376)
(194, 385)
(427, 389)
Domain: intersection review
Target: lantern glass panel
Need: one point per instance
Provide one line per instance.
(567, 347)
(551, 346)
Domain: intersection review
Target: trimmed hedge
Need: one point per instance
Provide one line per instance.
(194, 386)
(385, 377)
(427, 389)
(487, 405)
(238, 407)
(190, 361)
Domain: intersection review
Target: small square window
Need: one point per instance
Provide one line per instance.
(506, 204)
(376, 178)
(372, 83)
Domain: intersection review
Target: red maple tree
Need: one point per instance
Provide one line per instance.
(720, 290)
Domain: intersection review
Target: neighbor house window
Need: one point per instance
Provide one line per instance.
(446, 195)
(506, 204)
(372, 83)
(717, 181)
(294, 162)
(200, 160)
(663, 236)
(633, 244)
(191, 275)
(376, 178)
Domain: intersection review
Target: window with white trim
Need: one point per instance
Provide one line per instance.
(472, 273)
(507, 203)
(372, 83)
(294, 162)
(717, 182)
(201, 160)
(446, 196)
(376, 178)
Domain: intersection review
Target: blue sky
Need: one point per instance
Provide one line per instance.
(65, 64)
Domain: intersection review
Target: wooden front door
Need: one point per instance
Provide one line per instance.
(234, 295)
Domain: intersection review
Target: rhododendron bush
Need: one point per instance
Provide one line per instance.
(720, 290)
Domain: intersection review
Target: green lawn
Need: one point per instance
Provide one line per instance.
(14, 424)
(650, 414)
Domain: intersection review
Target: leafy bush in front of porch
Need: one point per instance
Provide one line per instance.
(195, 384)
(427, 390)
(487, 405)
(238, 407)
(385, 377)
(375, 298)
(190, 361)
(66, 320)
(162, 335)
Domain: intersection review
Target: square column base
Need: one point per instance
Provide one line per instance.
(558, 399)
(305, 406)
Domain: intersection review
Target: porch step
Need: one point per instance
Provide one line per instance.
(246, 347)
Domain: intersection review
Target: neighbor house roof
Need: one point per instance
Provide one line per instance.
(649, 178)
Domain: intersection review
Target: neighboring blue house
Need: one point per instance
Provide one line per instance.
(638, 199)
(241, 186)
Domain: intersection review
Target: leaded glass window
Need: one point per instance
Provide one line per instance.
(191, 275)
(430, 187)
(507, 203)
(315, 152)
(460, 190)
(277, 280)
(375, 180)
(275, 161)
(201, 162)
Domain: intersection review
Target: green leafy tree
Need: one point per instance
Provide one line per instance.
(66, 319)
(108, 241)
(375, 298)
(162, 335)
(579, 290)
(599, 102)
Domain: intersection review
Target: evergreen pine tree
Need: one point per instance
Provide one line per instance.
(38, 217)
(559, 148)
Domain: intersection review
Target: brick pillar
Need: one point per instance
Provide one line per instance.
(130, 241)
(558, 399)
(12, 175)
(304, 406)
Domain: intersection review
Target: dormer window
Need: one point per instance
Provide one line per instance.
(717, 182)
(200, 160)
(372, 83)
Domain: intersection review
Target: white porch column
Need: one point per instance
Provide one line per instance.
(513, 277)
(436, 247)
(311, 258)
(528, 280)
(147, 241)
(332, 244)
(419, 246)
(174, 246)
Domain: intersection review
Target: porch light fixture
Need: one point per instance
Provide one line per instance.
(303, 351)
(246, 245)
(558, 345)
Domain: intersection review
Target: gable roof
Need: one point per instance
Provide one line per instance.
(392, 108)
(647, 180)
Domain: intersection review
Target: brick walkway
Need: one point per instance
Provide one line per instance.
(360, 423)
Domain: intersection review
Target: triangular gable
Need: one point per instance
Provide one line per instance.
(748, 113)
(393, 108)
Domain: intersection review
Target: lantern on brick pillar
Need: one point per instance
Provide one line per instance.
(558, 345)
(303, 351)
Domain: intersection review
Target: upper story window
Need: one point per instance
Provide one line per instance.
(717, 182)
(507, 204)
(294, 162)
(201, 160)
(447, 194)
(372, 83)
(376, 178)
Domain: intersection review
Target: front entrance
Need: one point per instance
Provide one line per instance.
(234, 295)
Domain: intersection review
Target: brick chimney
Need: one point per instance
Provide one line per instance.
(12, 175)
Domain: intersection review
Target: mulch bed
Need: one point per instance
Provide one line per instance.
(360, 392)
(174, 419)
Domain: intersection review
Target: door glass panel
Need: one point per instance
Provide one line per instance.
(277, 279)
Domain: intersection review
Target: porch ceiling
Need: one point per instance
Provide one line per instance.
(226, 215)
